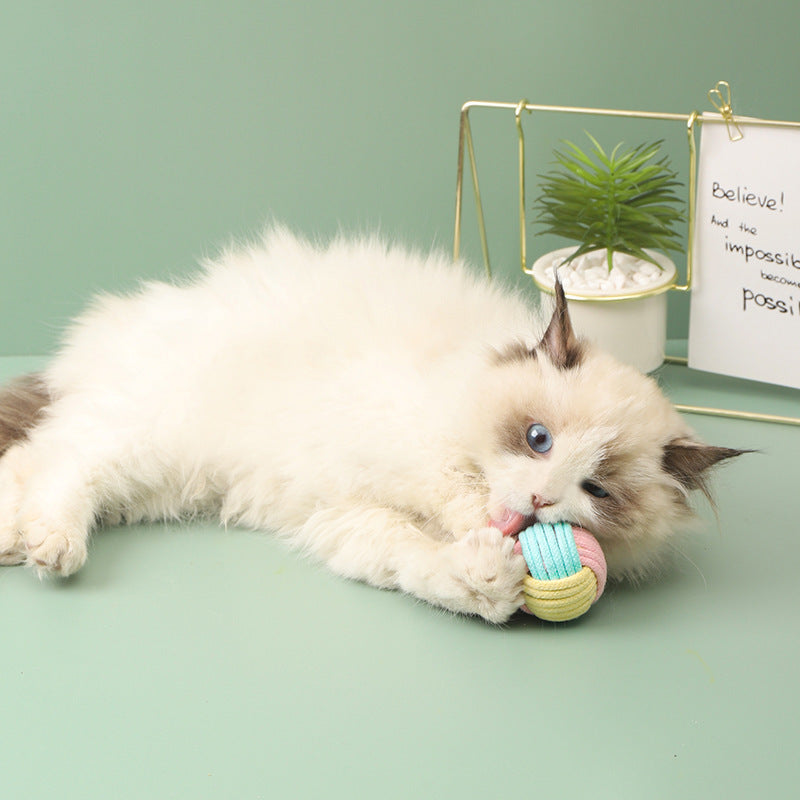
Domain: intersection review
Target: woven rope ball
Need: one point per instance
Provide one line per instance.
(567, 570)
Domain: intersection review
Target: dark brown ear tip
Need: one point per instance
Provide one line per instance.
(688, 461)
(558, 289)
(559, 341)
(733, 452)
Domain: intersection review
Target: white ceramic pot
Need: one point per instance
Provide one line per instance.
(631, 324)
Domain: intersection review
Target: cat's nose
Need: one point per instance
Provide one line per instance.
(540, 502)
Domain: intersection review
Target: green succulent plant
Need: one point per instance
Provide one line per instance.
(623, 201)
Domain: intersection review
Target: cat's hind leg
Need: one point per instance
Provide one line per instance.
(12, 479)
(478, 573)
(52, 486)
(40, 520)
(50, 511)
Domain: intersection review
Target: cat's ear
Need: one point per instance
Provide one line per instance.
(559, 342)
(688, 461)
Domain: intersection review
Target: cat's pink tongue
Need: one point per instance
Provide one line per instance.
(509, 523)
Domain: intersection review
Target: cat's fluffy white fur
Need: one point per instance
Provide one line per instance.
(369, 404)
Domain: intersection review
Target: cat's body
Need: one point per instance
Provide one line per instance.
(370, 405)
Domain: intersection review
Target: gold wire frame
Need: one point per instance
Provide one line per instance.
(719, 96)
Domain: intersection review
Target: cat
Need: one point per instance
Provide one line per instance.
(387, 412)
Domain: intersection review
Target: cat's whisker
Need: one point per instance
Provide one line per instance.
(676, 549)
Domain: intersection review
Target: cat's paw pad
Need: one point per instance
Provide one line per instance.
(489, 574)
(55, 552)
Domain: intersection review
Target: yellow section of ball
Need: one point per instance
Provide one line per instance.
(561, 599)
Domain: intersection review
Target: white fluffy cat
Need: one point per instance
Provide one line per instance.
(388, 413)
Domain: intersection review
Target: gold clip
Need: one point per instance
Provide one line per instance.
(723, 105)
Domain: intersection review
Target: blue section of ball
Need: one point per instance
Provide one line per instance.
(550, 550)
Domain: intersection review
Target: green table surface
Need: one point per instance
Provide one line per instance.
(189, 661)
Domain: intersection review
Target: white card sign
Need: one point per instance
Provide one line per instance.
(745, 300)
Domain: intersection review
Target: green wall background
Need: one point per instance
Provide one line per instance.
(136, 137)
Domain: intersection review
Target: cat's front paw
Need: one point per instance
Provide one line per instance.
(488, 574)
(54, 551)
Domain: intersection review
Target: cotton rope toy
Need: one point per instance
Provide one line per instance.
(567, 570)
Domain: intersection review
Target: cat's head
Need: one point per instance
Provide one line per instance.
(577, 436)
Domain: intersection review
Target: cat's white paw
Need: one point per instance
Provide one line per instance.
(54, 551)
(487, 575)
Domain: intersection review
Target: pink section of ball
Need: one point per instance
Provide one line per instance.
(591, 555)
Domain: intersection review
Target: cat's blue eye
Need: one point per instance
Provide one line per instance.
(593, 489)
(539, 438)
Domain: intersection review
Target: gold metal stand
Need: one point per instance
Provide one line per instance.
(465, 138)
(751, 416)
(720, 97)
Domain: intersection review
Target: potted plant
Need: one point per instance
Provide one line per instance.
(622, 211)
